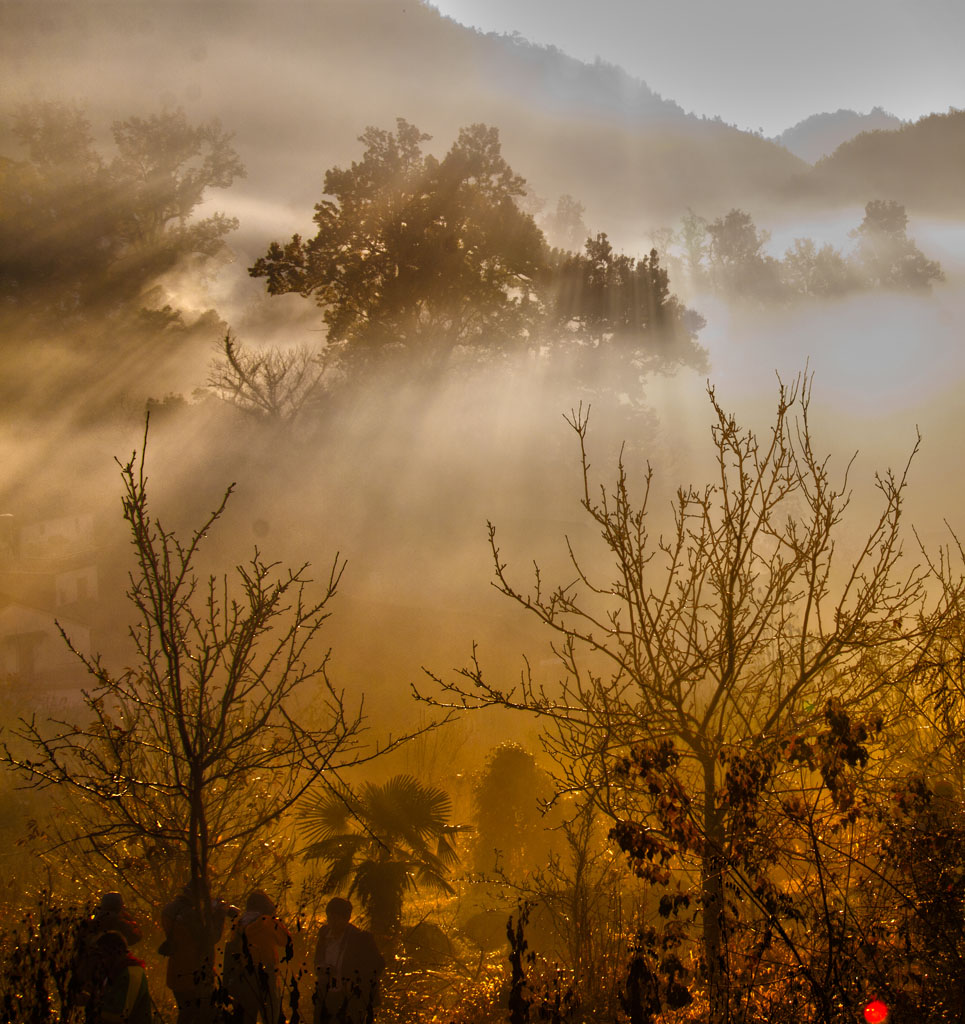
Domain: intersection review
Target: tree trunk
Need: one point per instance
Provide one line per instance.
(712, 898)
(200, 882)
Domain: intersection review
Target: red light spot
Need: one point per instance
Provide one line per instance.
(876, 1012)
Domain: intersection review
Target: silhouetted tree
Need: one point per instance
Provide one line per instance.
(82, 232)
(565, 226)
(811, 272)
(163, 170)
(705, 647)
(739, 267)
(277, 385)
(381, 842)
(427, 257)
(887, 257)
(607, 298)
(665, 240)
(182, 764)
(414, 253)
(693, 241)
(507, 798)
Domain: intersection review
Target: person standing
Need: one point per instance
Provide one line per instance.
(189, 949)
(251, 969)
(111, 915)
(121, 995)
(348, 966)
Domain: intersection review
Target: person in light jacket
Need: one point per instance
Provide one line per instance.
(252, 959)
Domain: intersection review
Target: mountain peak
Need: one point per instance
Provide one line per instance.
(821, 134)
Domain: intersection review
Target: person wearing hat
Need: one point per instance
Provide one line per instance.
(110, 915)
(252, 958)
(348, 965)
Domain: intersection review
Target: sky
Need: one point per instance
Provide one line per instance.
(759, 64)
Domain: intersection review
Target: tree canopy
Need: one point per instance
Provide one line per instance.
(887, 256)
(428, 256)
(416, 252)
(738, 263)
(182, 764)
(602, 297)
(84, 232)
(730, 253)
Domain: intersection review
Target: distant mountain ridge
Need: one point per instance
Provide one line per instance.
(561, 83)
(298, 83)
(621, 148)
(920, 165)
(820, 135)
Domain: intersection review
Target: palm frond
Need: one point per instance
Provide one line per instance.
(407, 810)
(328, 813)
(337, 847)
(385, 838)
(432, 877)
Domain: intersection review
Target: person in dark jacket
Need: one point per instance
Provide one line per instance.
(252, 959)
(190, 972)
(348, 965)
(121, 995)
(110, 915)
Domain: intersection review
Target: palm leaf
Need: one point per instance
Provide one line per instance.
(385, 839)
(338, 847)
(405, 810)
(329, 813)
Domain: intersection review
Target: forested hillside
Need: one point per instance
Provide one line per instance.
(324, 69)
(920, 161)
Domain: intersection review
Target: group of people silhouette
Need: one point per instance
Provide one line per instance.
(113, 984)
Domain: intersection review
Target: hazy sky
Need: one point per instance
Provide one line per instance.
(757, 63)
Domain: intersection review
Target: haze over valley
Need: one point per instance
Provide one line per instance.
(393, 277)
(293, 93)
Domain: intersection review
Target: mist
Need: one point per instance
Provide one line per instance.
(406, 478)
(400, 462)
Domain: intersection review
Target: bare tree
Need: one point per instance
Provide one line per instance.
(271, 384)
(184, 764)
(684, 668)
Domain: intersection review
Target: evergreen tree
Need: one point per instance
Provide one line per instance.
(84, 234)
(739, 267)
